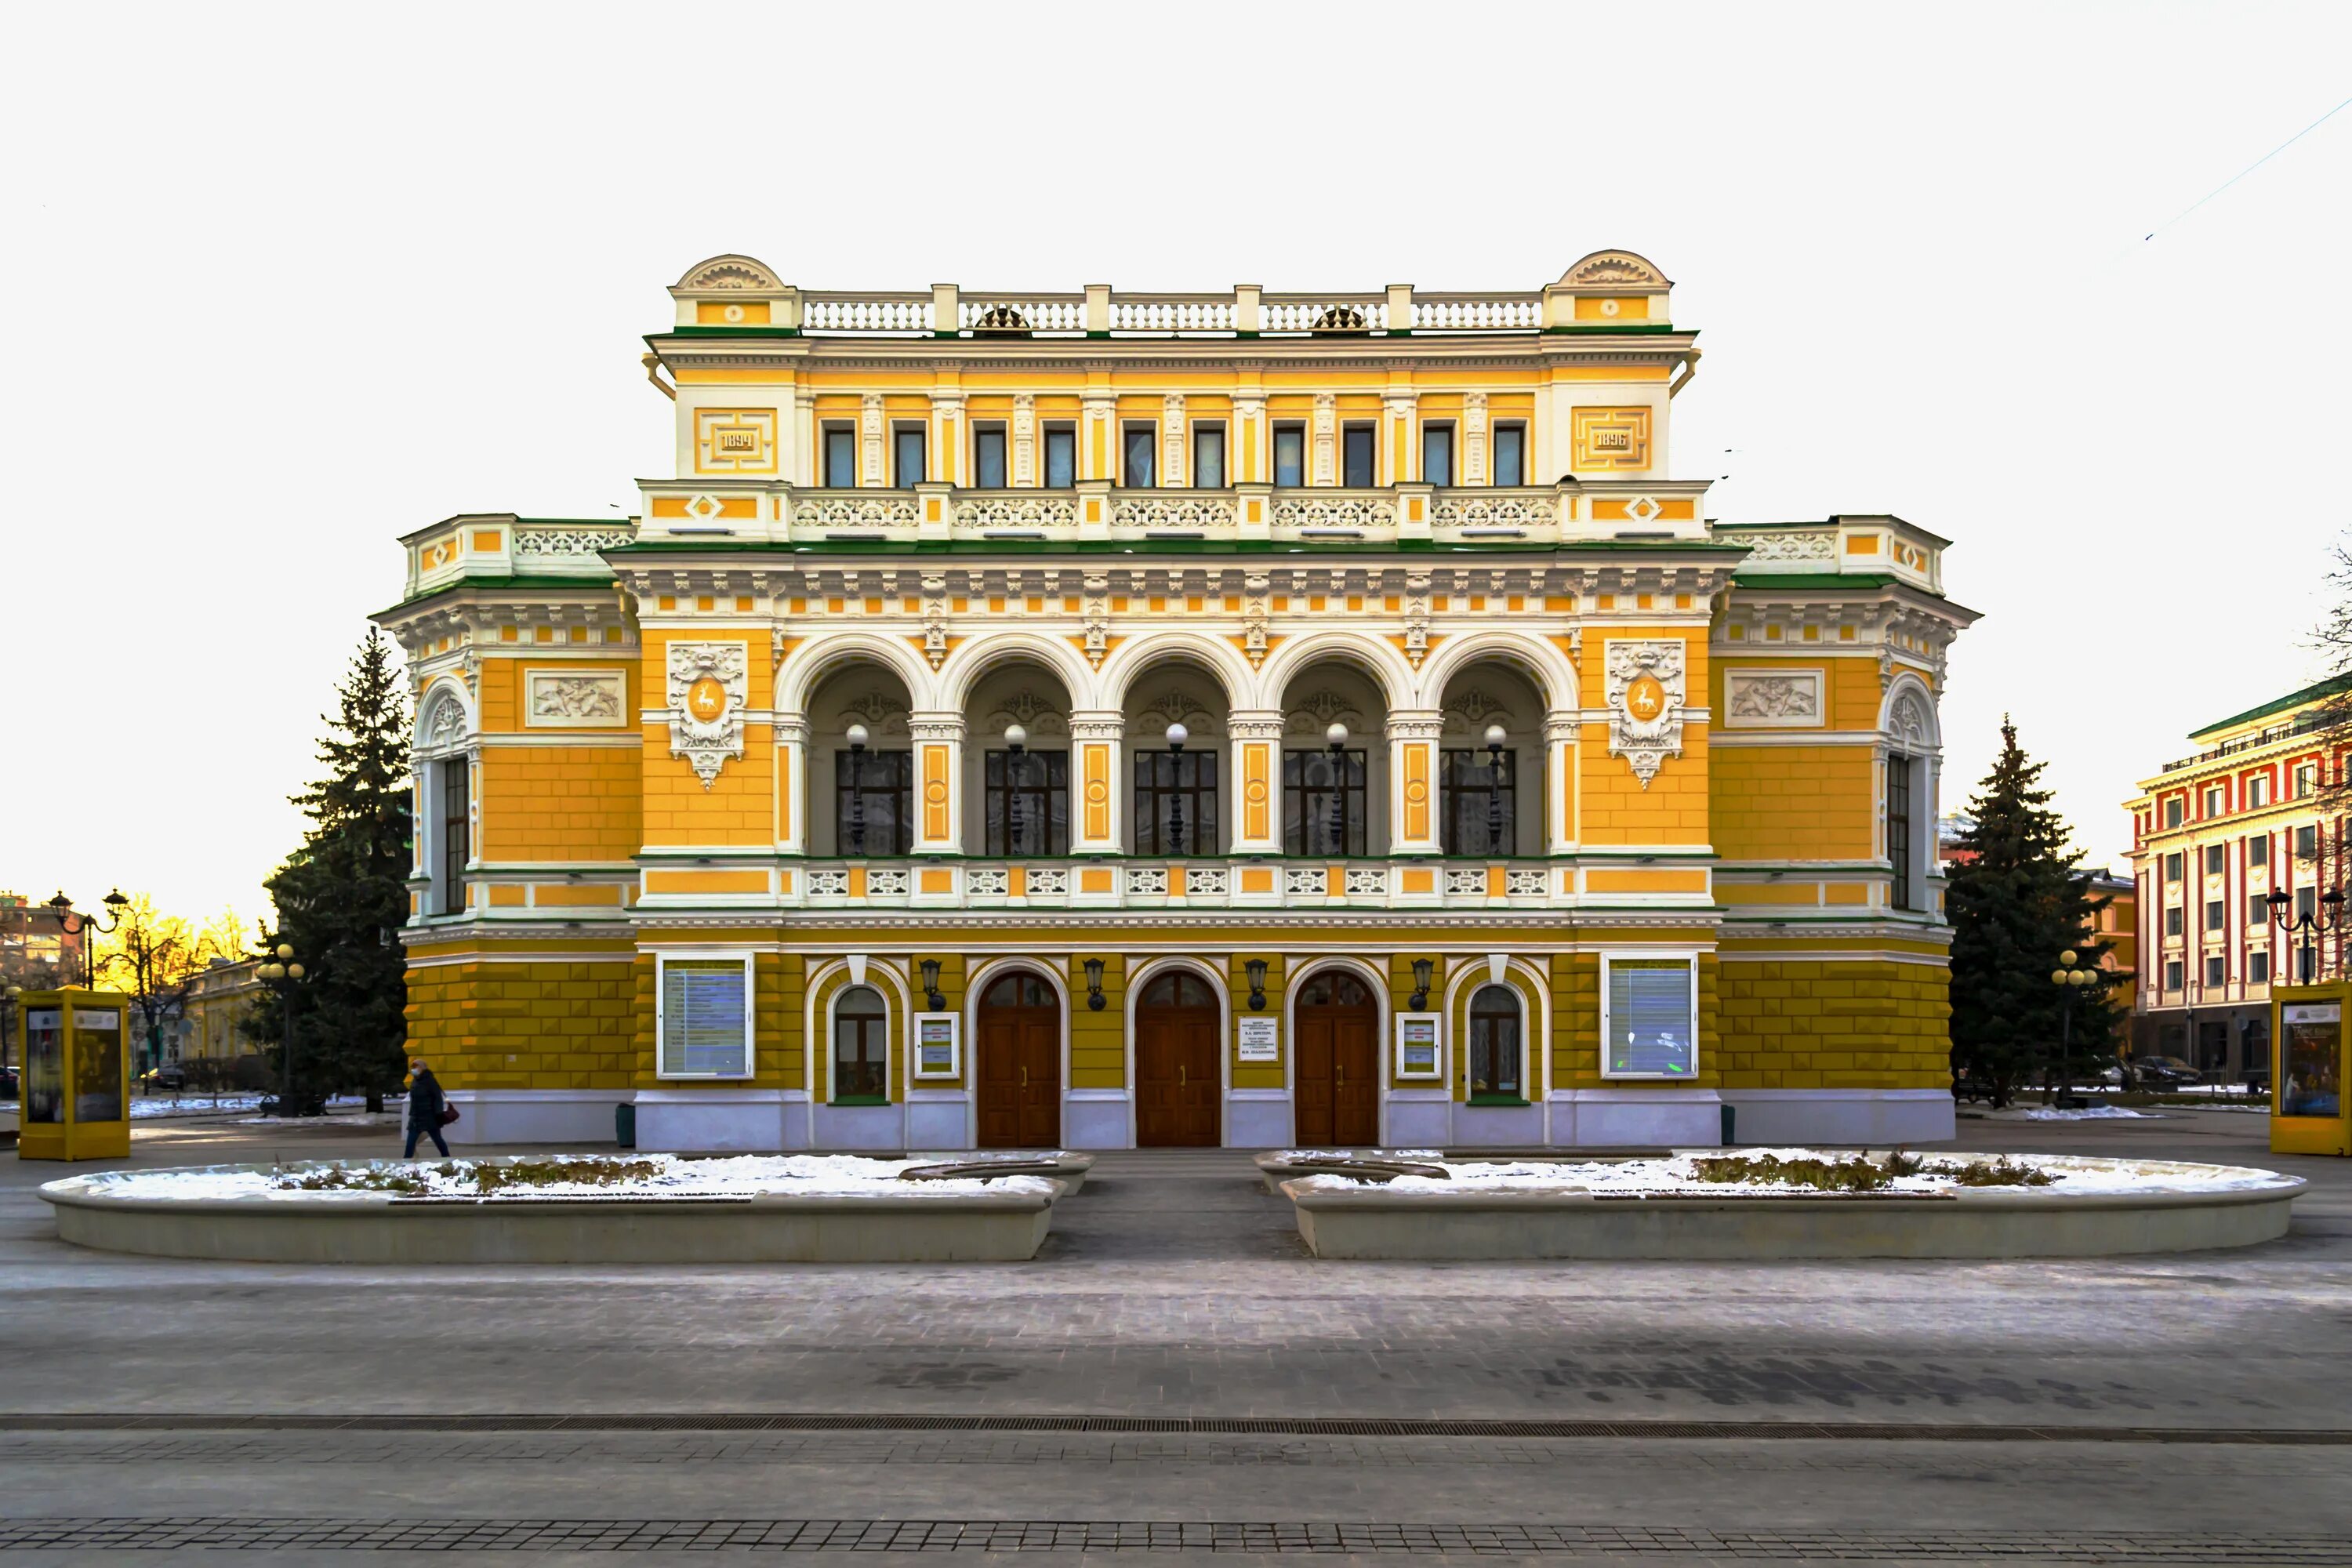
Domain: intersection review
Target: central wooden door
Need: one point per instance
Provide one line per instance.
(1178, 1050)
(1020, 1064)
(1336, 1095)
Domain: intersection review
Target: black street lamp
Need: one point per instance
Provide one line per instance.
(1495, 738)
(282, 975)
(857, 789)
(2070, 981)
(71, 922)
(1337, 736)
(2304, 926)
(1016, 739)
(1177, 736)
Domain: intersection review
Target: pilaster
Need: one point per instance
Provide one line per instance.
(937, 739)
(1413, 781)
(1254, 736)
(1097, 736)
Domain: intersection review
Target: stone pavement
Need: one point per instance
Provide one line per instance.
(1174, 1288)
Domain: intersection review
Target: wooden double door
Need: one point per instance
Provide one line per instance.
(1020, 1064)
(1179, 1050)
(1336, 1052)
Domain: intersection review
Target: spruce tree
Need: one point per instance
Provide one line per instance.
(2016, 902)
(342, 897)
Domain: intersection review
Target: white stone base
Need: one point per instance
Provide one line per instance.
(1417, 1119)
(533, 1116)
(877, 1129)
(1874, 1116)
(939, 1119)
(1257, 1118)
(721, 1120)
(1496, 1127)
(1097, 1119)
(1636, 1117)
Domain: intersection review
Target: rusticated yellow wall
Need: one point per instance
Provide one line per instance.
(559, 803)
(1846, 1023)
(1794, 803)
(528, 1025)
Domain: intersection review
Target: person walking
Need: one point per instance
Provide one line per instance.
(425, 1107)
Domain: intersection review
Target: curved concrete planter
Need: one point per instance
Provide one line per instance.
(381, 1227)
(1472, 1223)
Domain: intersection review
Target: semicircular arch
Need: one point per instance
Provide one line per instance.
(1545, 664)
(1134, 658)
(976, 658)
(810, 662)
(1374, 656)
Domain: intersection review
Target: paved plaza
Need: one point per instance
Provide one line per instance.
(1249, 1402)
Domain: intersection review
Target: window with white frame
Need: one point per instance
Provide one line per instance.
(2258, 851)
(2306, 779)
(2172, 812)
(2215, 799)
(2172, 974)
(2217, 970)
(2258, 790)
(2217, 859)
(705, 1023)
(861, 1047)
(1496, 1052)
(2258, 969)
(1649, 1017)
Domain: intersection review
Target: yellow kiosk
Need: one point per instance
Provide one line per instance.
(76, 1075)
(2308, 1115)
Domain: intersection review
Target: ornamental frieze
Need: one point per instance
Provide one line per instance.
(707, 690)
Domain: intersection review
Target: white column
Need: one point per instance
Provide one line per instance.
(946, 455)
(939, 781)
(872, 467)
(794, 798)
(1561, 729)
(1412, 782)
(1400, 461)
(1098, 783)
(1255, 748)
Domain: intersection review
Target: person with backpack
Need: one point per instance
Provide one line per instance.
(428, 1110)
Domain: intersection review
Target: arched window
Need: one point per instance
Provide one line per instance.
(861, 1047)
(1020, 990)
(1334, 988)
(1177, 988)
(1496, 1054)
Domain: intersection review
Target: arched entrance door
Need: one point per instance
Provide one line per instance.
(1020, 1064)
(1177, 1082)
(1337, 1096)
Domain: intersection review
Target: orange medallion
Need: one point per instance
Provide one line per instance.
(1645, 697)
(706, 698)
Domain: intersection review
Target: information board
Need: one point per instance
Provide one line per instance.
(935, 1045)
(1416, 1045)
(1261, 1040)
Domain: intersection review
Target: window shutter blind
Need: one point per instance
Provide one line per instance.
(702, 1018)
(1650, 1018)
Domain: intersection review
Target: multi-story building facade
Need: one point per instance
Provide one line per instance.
(1101, 719)
(213, 1016)
(2214, 835)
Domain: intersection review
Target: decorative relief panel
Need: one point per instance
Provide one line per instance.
(1645, 694)
(707, 689)
(566, 699)
(444, 724)
(1473, 437)
(1772, 699)
(734, 440)
(1608, 439)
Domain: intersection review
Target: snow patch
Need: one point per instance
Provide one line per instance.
(784, 1175)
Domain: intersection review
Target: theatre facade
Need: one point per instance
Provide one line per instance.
(1101, 719)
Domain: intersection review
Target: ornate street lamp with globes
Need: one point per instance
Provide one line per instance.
(2072, 980)
(282, 974)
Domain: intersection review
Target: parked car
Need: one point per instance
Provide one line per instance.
(8, 1085)
(2162, 1072)
(170, 1075)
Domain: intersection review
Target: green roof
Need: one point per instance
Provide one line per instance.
(2309, 694)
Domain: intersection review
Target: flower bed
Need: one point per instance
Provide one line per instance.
(653, 1208)
(1784, 1203)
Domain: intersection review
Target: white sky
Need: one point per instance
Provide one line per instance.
(287, 283)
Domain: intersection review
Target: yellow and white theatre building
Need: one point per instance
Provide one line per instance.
(1101, 719)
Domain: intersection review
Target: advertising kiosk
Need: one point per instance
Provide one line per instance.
(2308, 1115)
(75, 1064)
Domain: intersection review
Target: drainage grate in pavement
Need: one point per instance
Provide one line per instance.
(318, 1536)
(1272, 1426)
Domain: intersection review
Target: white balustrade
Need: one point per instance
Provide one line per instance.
(1305, 885)
(1466, 881)
(1208, 513)
(866, 313)
(987, 881)
(1049, 881)
(1334, 513)
(864, 509)
(977, 510)
(1150, 881)
(1367, 881)
(1026, 313)
(1206, 881)
(1524, 884)
(886, 881)
(1478, 312)
(1324, 313)
(1173, 314)
(1304, 881)
(828, 884)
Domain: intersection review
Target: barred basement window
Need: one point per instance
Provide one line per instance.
(705, 1014)
(1649, 1017)
(1496, 1053)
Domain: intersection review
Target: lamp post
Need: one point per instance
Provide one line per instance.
(857, 789)
(1016, 739)
(2304, 926)
(2070, 981)
(1177, 736)
(282, 974)
(1495, 738)
(1337, 737)
(71, 922)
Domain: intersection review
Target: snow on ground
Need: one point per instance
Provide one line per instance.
(786, 1176)
(2085, 1113)
(1679, 1175)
